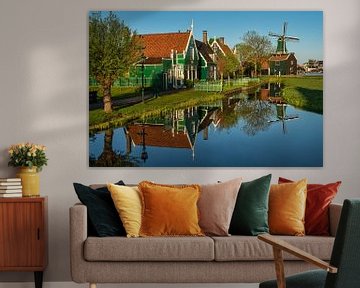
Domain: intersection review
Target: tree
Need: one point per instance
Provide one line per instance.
(227, 65)
(255, 48)
(243, 52)
(113, 48)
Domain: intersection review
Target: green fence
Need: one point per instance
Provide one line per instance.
(241, 82)
(213, 86)
(218, 86)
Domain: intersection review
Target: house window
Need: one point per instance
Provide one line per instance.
(277, 63)
(292, 62)
(192, 53)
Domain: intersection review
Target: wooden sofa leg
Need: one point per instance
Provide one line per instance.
(92, 285)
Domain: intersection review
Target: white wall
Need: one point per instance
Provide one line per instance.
(43, 77)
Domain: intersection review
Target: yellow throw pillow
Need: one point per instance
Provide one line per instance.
(127, 201)
(169, 210)
(287, 204)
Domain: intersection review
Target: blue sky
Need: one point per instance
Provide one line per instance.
(307, 25)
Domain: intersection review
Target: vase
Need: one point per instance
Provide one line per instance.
(30, 181)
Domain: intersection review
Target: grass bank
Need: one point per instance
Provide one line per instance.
(305, 92)
(98, 120)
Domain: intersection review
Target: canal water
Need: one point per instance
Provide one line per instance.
(244, 130)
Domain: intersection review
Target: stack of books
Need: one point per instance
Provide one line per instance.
(10, 187)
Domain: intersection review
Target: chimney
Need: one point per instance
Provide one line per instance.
(205, 37)
(222, 40)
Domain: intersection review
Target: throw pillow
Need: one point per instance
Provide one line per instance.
(216, 206)
(319, 197)
(127, 201)
(169, 210)
(287, 204)
(250, 215)
(102, 215)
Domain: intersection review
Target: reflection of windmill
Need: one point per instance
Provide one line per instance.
(282, 39)
(281, 115)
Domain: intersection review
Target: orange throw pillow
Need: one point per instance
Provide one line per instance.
(169, 210)
(287, 204)
(318, 200)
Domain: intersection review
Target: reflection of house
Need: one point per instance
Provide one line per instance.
(283, 64)
(177, 131)
(170, 57)
(270, 91)
(207, 65)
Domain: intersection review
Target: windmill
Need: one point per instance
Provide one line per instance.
(282, 39)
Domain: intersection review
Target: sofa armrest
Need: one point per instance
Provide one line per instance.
(78, 235)
(334, 217)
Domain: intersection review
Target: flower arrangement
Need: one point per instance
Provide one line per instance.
(27, 155)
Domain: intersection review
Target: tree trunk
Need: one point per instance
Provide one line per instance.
(107, 98)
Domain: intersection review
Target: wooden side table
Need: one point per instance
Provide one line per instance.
(23, 235)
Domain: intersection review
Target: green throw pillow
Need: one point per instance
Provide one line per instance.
(250, 216)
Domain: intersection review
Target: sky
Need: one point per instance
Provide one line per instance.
(232, 25)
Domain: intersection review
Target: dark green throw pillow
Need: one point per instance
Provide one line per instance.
(250, 216)
(103, 218)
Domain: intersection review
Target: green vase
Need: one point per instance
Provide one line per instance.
(30, 181)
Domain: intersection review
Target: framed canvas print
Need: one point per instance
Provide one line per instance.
(205, 88)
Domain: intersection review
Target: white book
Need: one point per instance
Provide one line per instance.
(10, 180)
(10, 183)
(10, 187)
(2, 191)
(5, 195)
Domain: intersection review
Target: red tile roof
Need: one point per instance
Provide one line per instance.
(225, 48)
(279, 57)
(158, 46)
(156, 135)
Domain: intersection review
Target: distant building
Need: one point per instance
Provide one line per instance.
(283, 64)
(314, 65)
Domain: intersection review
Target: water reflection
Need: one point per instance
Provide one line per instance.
(108, 157)
(222, 133)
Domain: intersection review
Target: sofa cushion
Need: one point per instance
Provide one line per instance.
(245, 248)
(102, 216)
(169, 210)
(250, 215)
(287, 204)
(149, 249)
(216, 205)
(127, 201)
(318, 199)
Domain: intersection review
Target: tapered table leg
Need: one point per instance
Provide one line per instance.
(38, 279)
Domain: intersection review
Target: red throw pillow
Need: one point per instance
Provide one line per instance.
(319, 197)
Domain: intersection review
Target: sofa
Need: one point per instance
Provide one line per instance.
(233, 259)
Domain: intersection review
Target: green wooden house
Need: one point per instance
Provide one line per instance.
(169, 59)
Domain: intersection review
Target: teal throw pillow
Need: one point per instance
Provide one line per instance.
(250, 216)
